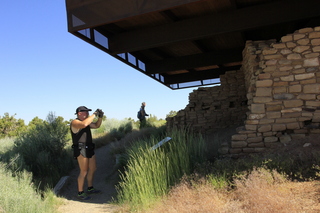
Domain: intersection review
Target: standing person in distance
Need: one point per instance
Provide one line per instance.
(83, 148)
(143, 115)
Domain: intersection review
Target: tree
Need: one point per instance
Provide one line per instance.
(171, 114)
(10, 126)
(34, 122)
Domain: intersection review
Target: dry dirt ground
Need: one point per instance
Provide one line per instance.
(105, 179)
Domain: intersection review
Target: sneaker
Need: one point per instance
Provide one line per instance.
(93, 191)
(83, 196)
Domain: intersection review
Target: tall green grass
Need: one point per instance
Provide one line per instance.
(149, 174)
(18, 194)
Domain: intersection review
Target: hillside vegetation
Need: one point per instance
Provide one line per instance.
(179, 176)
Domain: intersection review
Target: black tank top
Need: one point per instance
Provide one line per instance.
(76, 136)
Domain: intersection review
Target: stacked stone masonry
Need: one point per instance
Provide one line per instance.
(280, 82)
(213, 108)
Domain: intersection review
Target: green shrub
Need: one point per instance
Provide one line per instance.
(42, 151)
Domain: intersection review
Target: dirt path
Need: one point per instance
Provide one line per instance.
(105, 179)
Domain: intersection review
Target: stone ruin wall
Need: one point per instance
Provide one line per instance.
(280, 82)
(213, 108)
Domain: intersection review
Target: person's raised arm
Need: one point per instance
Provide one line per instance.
(78, 124)
(99, 121)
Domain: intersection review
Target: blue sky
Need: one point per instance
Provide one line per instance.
(44, 68)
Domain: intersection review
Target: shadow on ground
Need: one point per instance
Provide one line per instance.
(106, 177)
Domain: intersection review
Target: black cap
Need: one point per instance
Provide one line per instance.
(82, 109)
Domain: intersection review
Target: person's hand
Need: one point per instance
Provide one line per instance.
(97, 112)
(101, 113)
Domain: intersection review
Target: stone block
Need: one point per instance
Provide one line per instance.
(291, 44)
(286, 38)
(275, 56)
(278, 127)
(262, 91)
(285, 68)
(269, 51)
(285, 120)
(239, 137)
(312, 103)
(271, 139)
(266, 121)
(300, 49)
(255, 139)
(311, 62)
(304, 76)
(294, 56)
(252, 135)
(258, 108)
(295, 125)
(264, 83)
(312, 55)
(251, 127)
(299, 36)
(279, 89)
(314, 35)
(276, 114)
(315, 42)
(268, 134)
(311, 88)
(280, 84)
(279, 45)
(299, 70)
(308, 81)
(303, 42)
(292, 103)
(283, 96)
(287, 78)
(274, 107)
(264, 128)
(285, 52)
(295, 88)
(279, 74)
(285, 62)
(291, 114)
(263, 76)
(259, 100)
(305, 30)
(249, 121)
(316, 49)
(306, 96)
(239, 144)
(270, 69)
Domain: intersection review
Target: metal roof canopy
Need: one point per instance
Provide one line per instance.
(185, 43)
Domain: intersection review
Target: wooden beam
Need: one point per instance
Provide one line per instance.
(205, 26)
(197, 76)
(194, 61)
(100, 12)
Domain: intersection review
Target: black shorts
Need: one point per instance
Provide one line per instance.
(86, 150)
